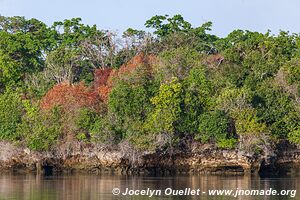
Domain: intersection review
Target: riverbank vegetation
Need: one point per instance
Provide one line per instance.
(71, 81)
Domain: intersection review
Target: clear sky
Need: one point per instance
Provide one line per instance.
(118, 15)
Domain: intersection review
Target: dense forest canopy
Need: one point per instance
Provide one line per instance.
(71, 81)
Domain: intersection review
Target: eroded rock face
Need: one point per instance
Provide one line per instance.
(76, 156)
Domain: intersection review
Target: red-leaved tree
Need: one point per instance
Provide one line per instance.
(70, 97)
(104, 78)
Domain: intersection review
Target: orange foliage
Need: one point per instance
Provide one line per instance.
(104, 77)
(70, 97)
(136, 61)
(103, 92)
(101, 76)
(73, 96)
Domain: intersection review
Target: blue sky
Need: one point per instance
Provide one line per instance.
(118, 15)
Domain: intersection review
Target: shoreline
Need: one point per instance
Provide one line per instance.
(94, 158)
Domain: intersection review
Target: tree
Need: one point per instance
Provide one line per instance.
(70, 97)
(165, 25)
(100, 49)
(275, 107)
(79, 50)
(197, 99)
(167, 108)
(177, 63)
(129, 100)
(40, 130)
(174, 32)
(216, 126)
(10, 115)
(22, 46)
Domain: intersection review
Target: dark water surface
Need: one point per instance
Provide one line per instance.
(90, 187)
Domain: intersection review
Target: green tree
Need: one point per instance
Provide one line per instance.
(165, 25)
(22, 46)
(129, 101)
(216, 126)
(167, 108)
(174, 32)
(39, 129)
(177, 63)
(196, 99)
(274, 108)
(10, 115)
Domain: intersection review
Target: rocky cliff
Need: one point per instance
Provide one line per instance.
(122, 159)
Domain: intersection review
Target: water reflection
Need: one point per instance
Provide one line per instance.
(92, 187)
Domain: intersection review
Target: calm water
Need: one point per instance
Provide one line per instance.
(90, 187)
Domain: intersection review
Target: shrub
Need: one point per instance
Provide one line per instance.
(70, 97)
(167, 109)
(104, 132)
(293, 70)
(40, 129)
(10, 115)
(247, 122)
(231, 99)
(254, 136)
(129, 100)
(84, 121)
(273, 107)
(177, 63)
(197, 99)
(227, 143)
(294, 136)
(214, 125)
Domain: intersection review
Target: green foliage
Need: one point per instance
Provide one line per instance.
(122, 57)
(167, 108)
(261, 54)
(165, 25)
(86, 118)
(247, 122)
(10, 115)
(129, 101)
(273, 107)
(215, 125)
(294, 136)
(229, 75)
(227, 143)
(253, 134)
(140, 138)
(84, 122)
(232, 99)
(197, 99)
(60, 65)
(40, 129)
(293, 72)
(130, 32)
(175, 32)
(37, 85)
(94, 127)
(70, 60)
(177, 63)
(243, 88)
(101, 130)
(71, 32)
(22, 43)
